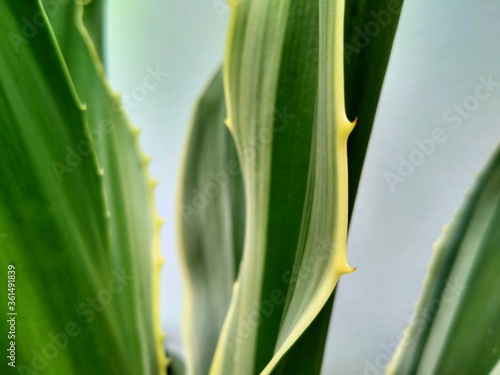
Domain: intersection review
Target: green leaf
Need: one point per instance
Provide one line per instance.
(365, 64)
(211, 226)
(134, 222)
(456, 329)
(284, 90)
(79, 217)
(310, 346)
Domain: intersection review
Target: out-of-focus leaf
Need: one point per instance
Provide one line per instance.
(93, 19)
(211, 226)
(74, 204)
(134, 221)
(176, 364)
(456, 328)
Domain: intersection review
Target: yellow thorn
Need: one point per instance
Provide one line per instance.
(352, 125)
(228, 124)
(135, 131)
(159, 222)
(146, 159)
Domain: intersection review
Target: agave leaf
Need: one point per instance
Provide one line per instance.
(365, 64)
(80, 223)
(56, 231)
(211, 226)
(294, 172)
(310, 346)
(134, 221)
(456, 329)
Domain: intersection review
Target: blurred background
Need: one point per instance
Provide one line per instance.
(444, 50)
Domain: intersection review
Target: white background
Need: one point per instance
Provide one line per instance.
(441, 50)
